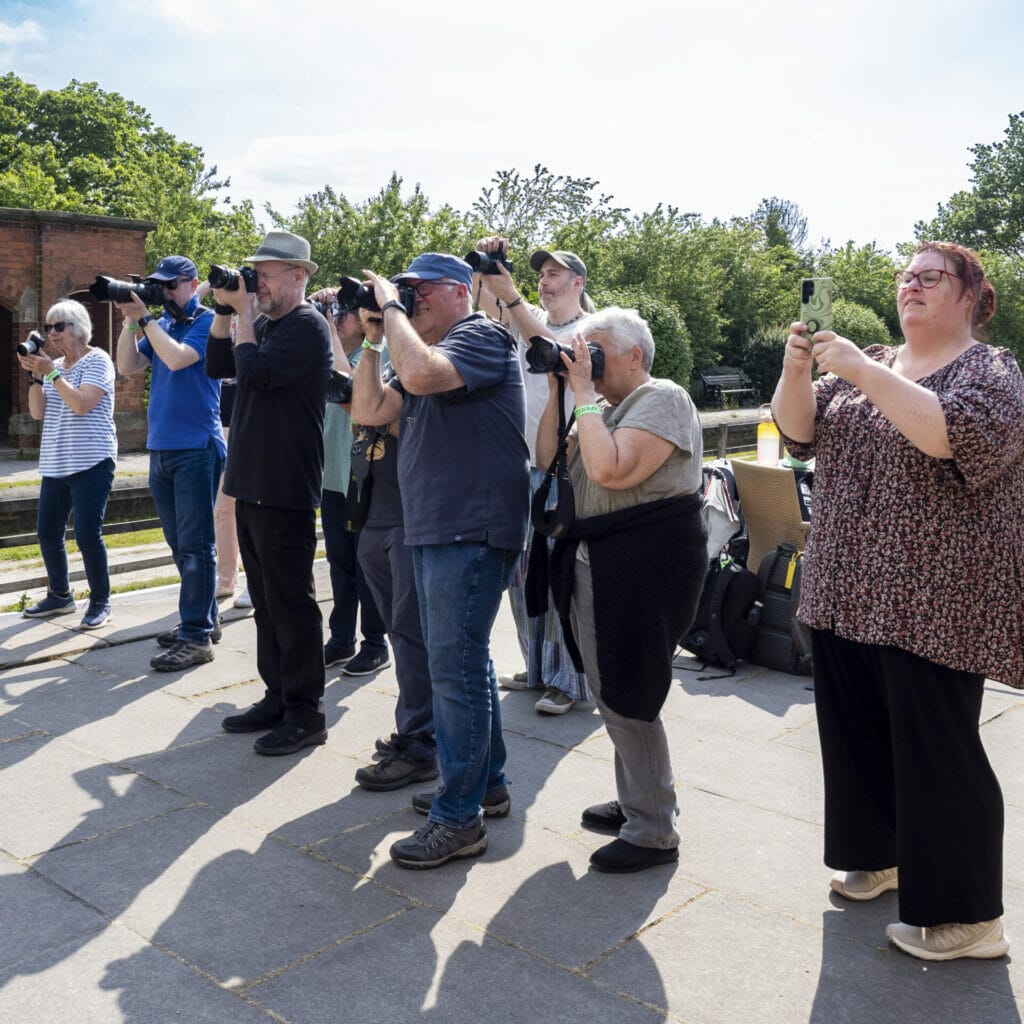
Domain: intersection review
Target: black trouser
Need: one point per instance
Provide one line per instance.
(907, 781)
(278, 546)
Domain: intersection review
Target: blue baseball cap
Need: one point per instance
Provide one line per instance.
(432, 266)
(172, 267)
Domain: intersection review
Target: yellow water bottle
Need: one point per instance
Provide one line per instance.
(767, 438)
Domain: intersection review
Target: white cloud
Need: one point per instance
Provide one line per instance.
(14, 35)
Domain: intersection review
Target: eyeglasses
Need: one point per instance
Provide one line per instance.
(58, 327)
(925, 278)
(424, 288)
(171, 285)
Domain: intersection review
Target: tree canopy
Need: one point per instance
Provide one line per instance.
(714, 291)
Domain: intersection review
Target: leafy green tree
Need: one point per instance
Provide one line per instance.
(991, 215)
(84, 150)
(863, 275)
(783, 223)
(860, 324)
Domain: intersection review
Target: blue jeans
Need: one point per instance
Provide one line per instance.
(85, 493)
(459, 588)
(184, 485)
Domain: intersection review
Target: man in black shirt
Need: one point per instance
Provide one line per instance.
(282, 360)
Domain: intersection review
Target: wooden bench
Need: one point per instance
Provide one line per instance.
(721, 384)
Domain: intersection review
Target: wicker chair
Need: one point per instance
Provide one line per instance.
(771, 509)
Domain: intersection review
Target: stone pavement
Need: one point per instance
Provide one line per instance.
(153, 869)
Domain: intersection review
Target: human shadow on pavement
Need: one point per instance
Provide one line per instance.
(863, 978)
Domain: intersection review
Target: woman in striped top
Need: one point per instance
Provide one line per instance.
(72, 392)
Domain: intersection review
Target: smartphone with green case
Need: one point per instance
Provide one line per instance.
(816, 304)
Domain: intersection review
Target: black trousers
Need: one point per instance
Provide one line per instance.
(907, 780)
(278, 546)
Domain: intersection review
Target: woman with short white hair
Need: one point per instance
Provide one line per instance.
(72, 392)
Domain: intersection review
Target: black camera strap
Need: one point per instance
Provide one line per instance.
(555, 522)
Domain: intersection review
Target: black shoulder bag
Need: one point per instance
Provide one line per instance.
(555, 522)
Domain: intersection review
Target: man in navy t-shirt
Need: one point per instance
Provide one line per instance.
(186, 445)
(463, 472)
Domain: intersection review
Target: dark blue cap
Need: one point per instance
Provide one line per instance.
(172, 267)
(432, 266)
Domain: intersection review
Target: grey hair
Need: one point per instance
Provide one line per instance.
(74, 313)
(627, 329)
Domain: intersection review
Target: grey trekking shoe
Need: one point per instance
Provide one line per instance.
(182, 655)
(436, 844)
(496, 803)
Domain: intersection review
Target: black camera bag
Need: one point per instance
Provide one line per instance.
(726, 622)
(782, 642)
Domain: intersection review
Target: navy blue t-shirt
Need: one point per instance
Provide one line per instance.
(463, 464)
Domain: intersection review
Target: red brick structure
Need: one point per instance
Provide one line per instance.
(46, 256)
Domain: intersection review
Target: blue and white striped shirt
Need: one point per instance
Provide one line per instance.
(72, 442)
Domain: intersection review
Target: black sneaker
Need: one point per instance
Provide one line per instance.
(170, 637)
(181, 656)
(397, 770)
(368, 660)
(436, 844)
(261, 716)
(604, 817)
(496, 803)
(620, 857)
(337, 654)
(291, 737)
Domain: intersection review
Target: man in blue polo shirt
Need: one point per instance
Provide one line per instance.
(186, 446)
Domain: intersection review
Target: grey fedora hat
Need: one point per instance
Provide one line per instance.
(283, 245)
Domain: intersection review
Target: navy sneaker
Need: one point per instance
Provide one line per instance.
(52, 604)
(97, 614)
(367, 661)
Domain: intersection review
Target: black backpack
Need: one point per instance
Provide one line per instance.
(726, 622)
(782, 642)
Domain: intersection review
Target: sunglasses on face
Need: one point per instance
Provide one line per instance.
(58, 327)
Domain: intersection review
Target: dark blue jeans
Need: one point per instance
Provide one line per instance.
(184, 485)
(459, 588)
(348, 587)
(85, 493)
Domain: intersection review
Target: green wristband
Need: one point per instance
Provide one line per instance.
(583, 409)
(130, 327)
(53, 374)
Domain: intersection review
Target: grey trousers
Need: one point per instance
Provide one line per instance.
(643, 769)
(386, 561)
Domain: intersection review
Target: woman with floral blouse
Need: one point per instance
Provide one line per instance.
(912, 587)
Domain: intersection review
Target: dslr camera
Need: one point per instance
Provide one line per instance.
(544, 356)
(487, 262)
(32, 344)
(226, 278)
(339, 388)
(109, 289)
(353, 294)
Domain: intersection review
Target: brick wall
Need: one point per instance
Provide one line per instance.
(48, 256)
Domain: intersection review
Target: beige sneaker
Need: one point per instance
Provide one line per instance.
(863, 885)
(982, 941)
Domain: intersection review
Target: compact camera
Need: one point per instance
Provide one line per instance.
(488, 262)
(227, 279)
(32, 344)
(353, 294)
(544, 356)
(109, 289)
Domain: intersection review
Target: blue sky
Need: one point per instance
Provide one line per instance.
(861, 112)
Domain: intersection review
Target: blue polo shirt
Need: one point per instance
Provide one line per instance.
(184, 405)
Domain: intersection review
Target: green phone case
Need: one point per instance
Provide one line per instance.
(816, 303)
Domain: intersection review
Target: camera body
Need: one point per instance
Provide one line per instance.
(488, 262)
(109, 289)
(32, 344)
(225, 277)
(544, 356)
(339, 388)
(353, 294)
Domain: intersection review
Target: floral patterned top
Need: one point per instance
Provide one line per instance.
(911, 551)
